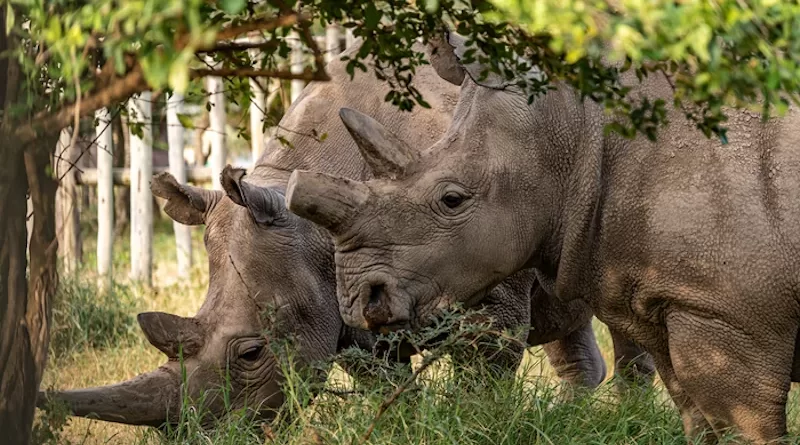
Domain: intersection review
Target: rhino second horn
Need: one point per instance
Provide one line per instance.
(329, 201)
(387, 155)
(149, 399)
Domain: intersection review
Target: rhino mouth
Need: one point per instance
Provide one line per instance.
(395, 326)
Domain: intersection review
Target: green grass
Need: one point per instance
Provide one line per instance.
(96, 341)
(85, 318)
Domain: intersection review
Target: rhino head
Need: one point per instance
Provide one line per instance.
(439, 227)
(265, 265)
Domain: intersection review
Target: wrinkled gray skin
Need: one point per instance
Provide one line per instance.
(688, 247)
(262, 257)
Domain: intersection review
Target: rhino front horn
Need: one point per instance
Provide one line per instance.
(387, 155)
(149, 399)
(328, 201)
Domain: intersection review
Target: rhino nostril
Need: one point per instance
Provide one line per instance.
(376, 293)
(376, 312)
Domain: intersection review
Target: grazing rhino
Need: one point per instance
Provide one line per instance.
(687, 246)
(261, 256)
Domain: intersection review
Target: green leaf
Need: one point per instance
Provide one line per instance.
(10, 18)
(371, 16)
(186, 121)
(53, 32)
(285, 142)
(233, 7)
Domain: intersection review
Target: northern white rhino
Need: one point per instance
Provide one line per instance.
(261, 256)
(688, 246)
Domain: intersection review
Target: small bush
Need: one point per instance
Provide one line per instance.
(86, 317)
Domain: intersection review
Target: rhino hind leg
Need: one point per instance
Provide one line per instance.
(695, 425)
(576, 358)
(739, 380)
(633, 367)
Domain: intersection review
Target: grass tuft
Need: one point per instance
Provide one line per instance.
(86, 317)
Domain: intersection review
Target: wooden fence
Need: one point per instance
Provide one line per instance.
(105, 177)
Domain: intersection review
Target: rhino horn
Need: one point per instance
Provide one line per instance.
(386, 155)
(326, 200)
(266, 205)
(149, 399)
(171, 334)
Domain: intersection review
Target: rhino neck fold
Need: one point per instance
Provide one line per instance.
(575, 163)
(581, 214)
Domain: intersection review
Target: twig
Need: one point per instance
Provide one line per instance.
(306, 75)
(262, 24)
(76, 123)
(240, 46)
(246, 288)
(132, 83)
(305, 34)
(426, 362)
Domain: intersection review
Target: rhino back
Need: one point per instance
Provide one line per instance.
(316, 111)
(723, 219)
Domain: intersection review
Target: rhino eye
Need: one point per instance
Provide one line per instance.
(252, 353)
(453, 199)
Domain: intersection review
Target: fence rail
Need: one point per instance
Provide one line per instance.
(122, 176)
(139, 175)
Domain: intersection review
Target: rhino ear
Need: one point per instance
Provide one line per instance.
(172, 333)
(265, 204)
(185, 204)
(444, 60)
(449, 59)
(386, 155)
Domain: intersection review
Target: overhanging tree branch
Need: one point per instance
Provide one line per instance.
(119, 90)
(307, 75)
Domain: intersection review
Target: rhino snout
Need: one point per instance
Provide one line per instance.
(382, 310)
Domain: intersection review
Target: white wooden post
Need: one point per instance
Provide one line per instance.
(141, 149)
(105, 196)
(332, 42)
(296, 64)
(177, 166)
(257, 107)
(349, 37)
(216, 124)
(67, 210)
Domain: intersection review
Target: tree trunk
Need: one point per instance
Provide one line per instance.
(25, 309)
(17, 367)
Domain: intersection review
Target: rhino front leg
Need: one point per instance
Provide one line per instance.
(577, 359)
(632, 365)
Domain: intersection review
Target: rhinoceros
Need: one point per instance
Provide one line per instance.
(262, 256)
(686, 245)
